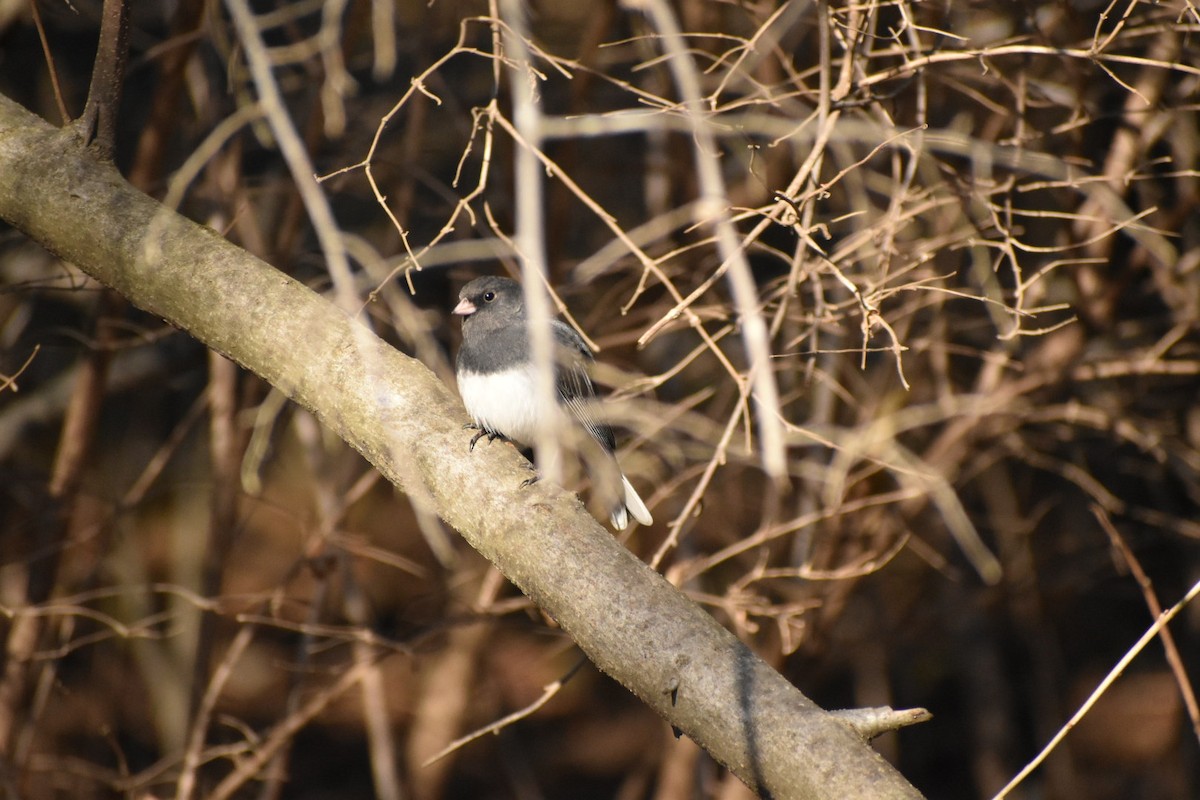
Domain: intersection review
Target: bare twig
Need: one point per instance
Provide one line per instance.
(98, 123)
(1154, 630)
(548, 693)
(1156, 610)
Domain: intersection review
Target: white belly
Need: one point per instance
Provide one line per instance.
(504, 402)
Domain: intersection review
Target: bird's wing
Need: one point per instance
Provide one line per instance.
(574, 385)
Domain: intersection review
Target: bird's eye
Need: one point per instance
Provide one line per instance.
(489, 297)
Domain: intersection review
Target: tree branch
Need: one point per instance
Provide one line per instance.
(631, 622)
(98, 122)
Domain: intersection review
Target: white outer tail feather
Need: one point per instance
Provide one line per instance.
(633, 505)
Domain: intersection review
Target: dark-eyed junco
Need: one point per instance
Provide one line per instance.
(497, 378)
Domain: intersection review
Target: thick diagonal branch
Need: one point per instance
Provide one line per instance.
(632, 623)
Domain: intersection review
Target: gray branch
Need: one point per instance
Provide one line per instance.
(630, 621)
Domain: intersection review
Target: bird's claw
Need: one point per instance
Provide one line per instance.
(531, 481)
(491, 435)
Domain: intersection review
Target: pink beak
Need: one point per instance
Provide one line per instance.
(464, 308)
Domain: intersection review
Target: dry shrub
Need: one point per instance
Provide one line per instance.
(898, 303)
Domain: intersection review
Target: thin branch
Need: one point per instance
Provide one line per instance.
(1154, 630)
(548, 693)
(98, 123)
(1152, 603)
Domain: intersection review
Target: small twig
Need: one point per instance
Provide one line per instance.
(198, 732)
(1151, 632)
(338, 82)
(1152, 603)
(548, 693)
(283, 733)
(9, 382)
(294, 153)
(46, 51)
(871, 722)
(529, 236)
(714, 199)
(98, 123)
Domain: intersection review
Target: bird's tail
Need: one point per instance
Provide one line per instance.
(632, 504)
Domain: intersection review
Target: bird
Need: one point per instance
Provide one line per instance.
(497, 379)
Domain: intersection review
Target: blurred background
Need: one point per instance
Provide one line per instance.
(971, 231)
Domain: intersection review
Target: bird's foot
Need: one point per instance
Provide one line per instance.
(491, 435)
(534, 479)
